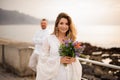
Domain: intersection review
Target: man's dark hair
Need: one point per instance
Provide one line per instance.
(44, 19)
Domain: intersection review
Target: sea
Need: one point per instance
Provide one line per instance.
(106, 36)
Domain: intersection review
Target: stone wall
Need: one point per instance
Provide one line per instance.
(16, 57)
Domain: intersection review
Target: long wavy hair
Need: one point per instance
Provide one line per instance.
(71, 33)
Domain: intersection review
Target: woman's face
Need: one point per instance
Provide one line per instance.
(63, 25)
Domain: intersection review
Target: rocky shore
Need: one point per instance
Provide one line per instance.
(108, 56)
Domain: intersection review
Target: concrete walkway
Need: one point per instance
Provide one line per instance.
(5, 75)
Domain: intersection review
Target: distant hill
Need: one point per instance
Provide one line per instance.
(14, 17)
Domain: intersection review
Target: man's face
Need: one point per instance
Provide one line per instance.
(43, 24)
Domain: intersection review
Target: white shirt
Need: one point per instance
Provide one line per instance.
(37, 39)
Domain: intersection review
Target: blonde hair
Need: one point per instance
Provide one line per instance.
(71, 33)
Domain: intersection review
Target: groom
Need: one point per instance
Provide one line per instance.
(37, 39)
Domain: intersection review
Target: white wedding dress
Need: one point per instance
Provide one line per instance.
(49, 66)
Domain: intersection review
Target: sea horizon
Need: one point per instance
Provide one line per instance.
(100, 36)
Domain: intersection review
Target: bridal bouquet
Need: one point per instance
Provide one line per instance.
(71, 49)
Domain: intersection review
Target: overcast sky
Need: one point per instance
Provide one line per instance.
(81, 11)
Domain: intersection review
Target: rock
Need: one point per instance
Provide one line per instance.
(87, 69)
(108, 77)
(97, 53)
(98, 71)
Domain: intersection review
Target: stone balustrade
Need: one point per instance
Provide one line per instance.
(15, 56)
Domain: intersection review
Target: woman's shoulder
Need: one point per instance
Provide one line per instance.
(51, 36)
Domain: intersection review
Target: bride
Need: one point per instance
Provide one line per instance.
(50, 65)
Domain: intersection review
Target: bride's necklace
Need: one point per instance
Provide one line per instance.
(61, 39)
